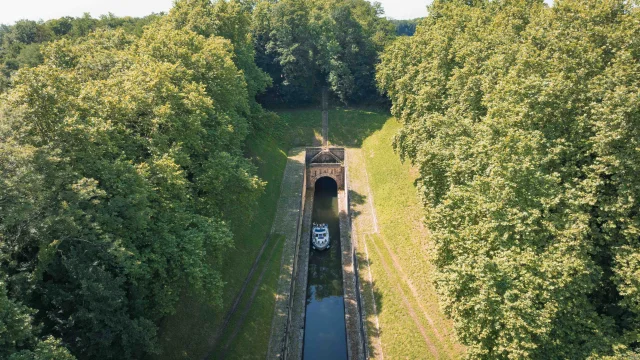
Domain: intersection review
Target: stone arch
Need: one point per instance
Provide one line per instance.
(321, 162)
(333, 172)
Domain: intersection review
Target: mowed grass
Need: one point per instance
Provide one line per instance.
(189, 333)
(412, 325)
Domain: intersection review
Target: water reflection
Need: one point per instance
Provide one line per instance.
(325, 334)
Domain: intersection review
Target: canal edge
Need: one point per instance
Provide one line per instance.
(296, 332)
(288, 221)
(287, 329)
(362, 213)
(356, 346)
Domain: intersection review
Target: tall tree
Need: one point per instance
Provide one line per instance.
(522, 120)
(230, 19)
(309, 44)
(122, 166)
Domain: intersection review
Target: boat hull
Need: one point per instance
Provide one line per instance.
(320, 237)
(320, 247)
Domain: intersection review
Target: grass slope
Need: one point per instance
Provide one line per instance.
(188, 334)
(301, 127)
(250, 340)
(412, 325)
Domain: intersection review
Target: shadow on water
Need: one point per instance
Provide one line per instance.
(325, 333)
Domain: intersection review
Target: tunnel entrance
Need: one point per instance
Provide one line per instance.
(325, 332)
(325, 162)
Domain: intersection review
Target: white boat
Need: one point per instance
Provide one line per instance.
(320, 236)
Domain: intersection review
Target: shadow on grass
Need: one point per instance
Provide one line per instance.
(368, 289)
(299, 127)
(350, 127)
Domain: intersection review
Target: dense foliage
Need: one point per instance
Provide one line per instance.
(20, 44)
(524, 121)
(309, 44)
(406, 27)
(121, 170)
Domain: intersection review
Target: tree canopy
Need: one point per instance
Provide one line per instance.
(122, 167)
(20, 43)
(406, 27)
(308, 44)
(523, 121)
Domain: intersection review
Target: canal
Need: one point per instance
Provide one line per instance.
(325, 334)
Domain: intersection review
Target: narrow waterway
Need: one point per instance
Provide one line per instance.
(325, 334)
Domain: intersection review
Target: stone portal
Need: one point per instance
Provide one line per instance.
(323, 162)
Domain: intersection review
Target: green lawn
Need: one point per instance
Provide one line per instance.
(252, 339)
(301, 127)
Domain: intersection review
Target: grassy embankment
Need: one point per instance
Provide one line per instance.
(190, 333)
(300, 128)
(411, 323)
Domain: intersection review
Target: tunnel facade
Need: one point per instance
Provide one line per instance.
(325, 162)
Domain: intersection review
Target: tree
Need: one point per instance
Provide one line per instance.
(20, 44)
(17, 334)
(406, 27)
(122, 166)
(230, 20)
(521, 119)
(306, 45)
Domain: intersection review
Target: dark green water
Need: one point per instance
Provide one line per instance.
(325, 334)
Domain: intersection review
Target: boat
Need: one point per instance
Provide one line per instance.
(320, 236)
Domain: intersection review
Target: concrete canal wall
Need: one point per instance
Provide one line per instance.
(287, 332)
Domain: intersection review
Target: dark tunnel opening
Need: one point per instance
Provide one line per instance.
(327, 185)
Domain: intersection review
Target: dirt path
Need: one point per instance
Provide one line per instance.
(325, 117)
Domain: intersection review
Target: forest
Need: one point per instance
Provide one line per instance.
(128, 171)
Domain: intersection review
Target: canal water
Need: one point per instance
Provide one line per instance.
(325, 334)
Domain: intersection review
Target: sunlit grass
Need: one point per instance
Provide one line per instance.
(406, 282)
